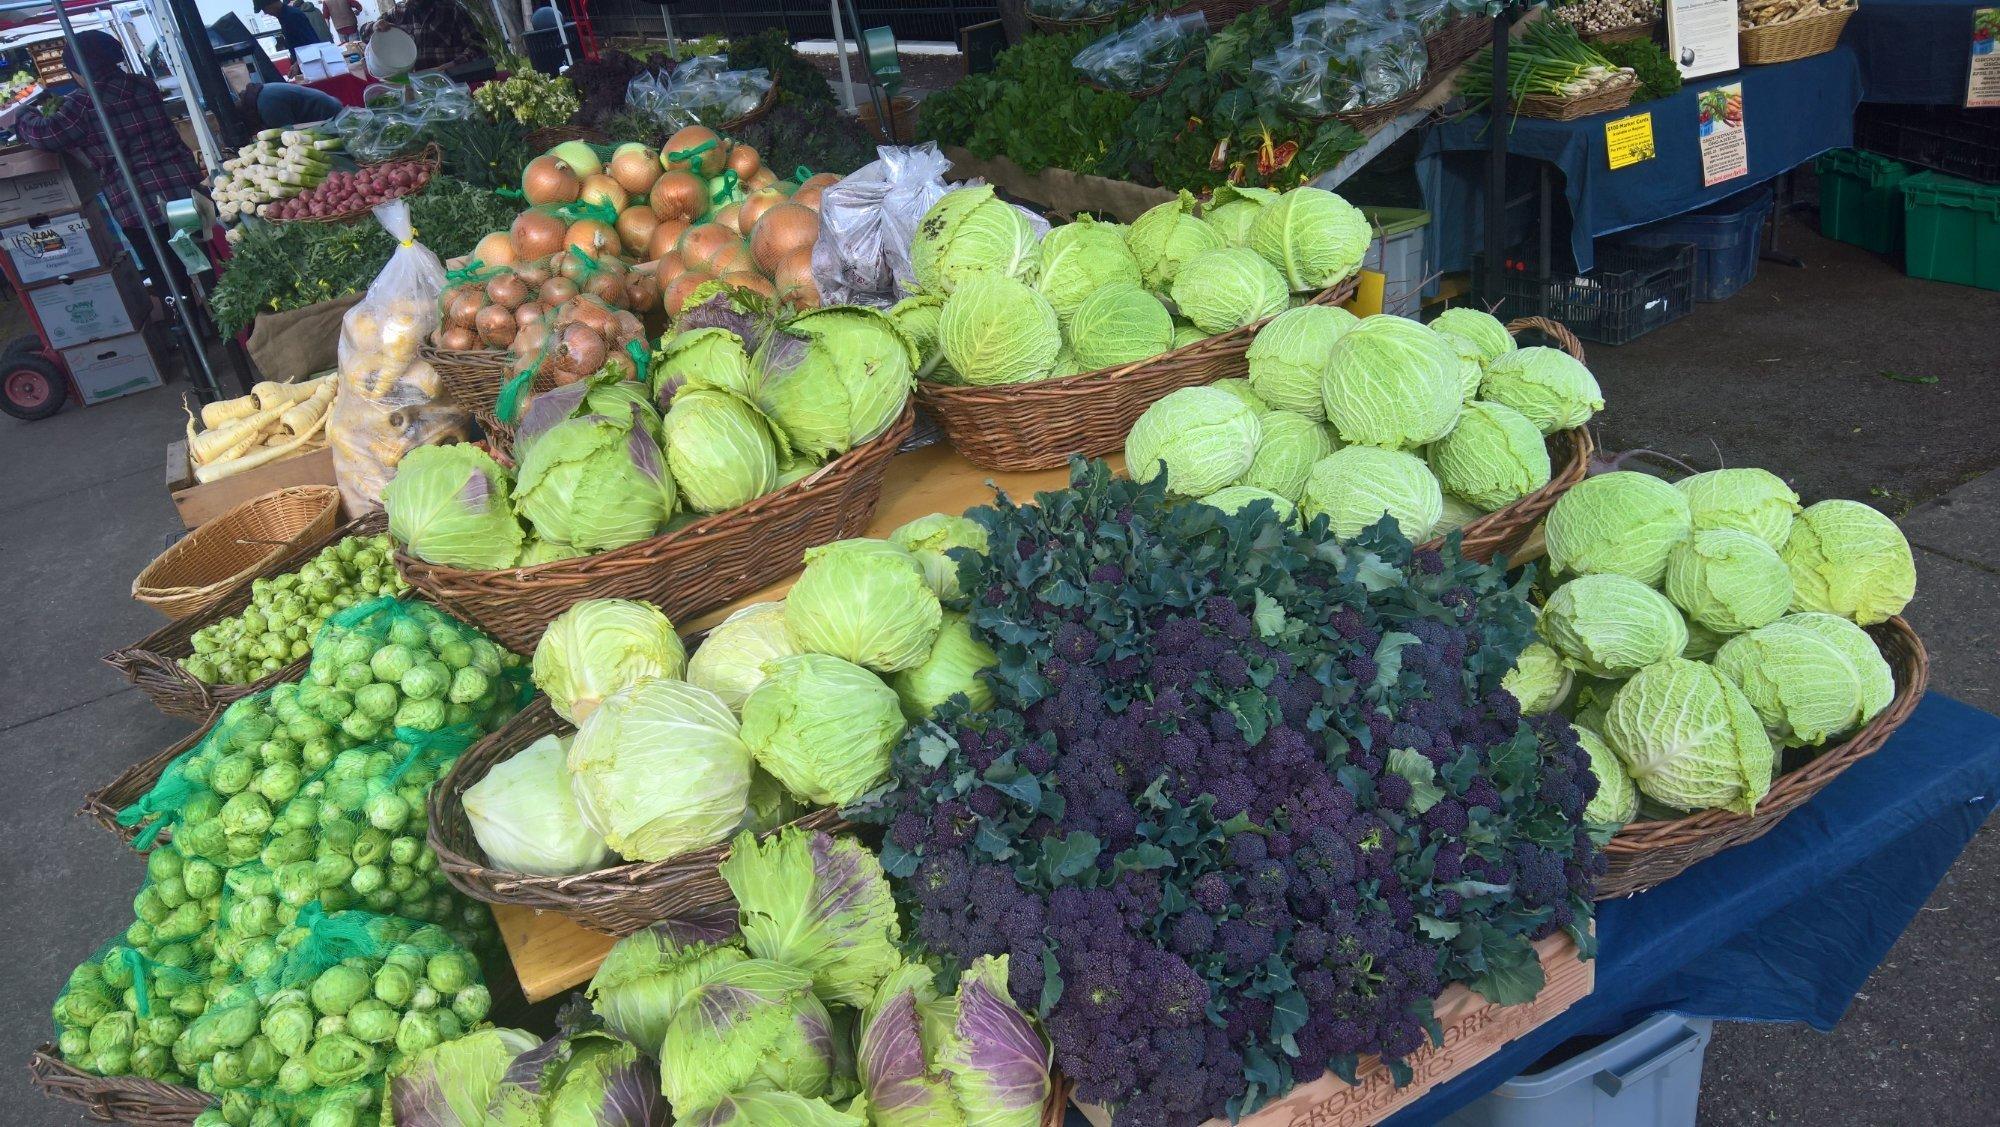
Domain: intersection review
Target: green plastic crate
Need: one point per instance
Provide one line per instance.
(1860, 199)
(1952, 230)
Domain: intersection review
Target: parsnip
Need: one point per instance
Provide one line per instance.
(300, 417)
(253, 458)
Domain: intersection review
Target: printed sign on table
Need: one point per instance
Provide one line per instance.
(1629, 140)
(1983, 87)
(1701, 36)
(1725, 151)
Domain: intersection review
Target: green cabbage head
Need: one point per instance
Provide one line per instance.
(771, 1109)
(1312, 236)
(1241, 389)
(599, 646)
(1458, 512)
(1493, 457)
(660, 770)
(927, 1060)
(1165, 237)
(996, 330)
(1119, 324)
(1355, 486)
(1392, 383)
(646, 976)
(864, 601)
(1231, 211)
(1228, 288)
(721, 449)
(451, 505)
(971, 231)
(1622, 523)
(1689, 738)
(1617, 800)
(1186, 334)
(526, 819)
(1471, 369)
(823, 727)
(1749, 500)
(730, 661)
(1288, 358)
(1728, 581)
(1288, 446)
(1080, 258)
(595, 485)
(820, 904)
(1549, 386)
(835, 378)
(1203, 438)
(450, 1084)
(1847, 559)
(1487, 336)
(931, 539)
(955, 662)
(1540, 679)
(917, 315)
(1810, 676)
(706, 357)
(1236, 498)
(1610, 625)
(753, 1025)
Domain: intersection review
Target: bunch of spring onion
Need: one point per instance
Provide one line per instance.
(278, 164)
(1549, 58)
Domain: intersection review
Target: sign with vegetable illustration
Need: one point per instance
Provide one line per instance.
(1725, 151)
(1701, 36)
(1982, 87)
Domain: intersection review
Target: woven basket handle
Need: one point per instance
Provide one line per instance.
(1554, 330)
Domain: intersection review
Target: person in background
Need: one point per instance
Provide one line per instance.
(294, 28)
(161, 163)
(546, 50)
(281, 105)
(343, 16)
(444, 31)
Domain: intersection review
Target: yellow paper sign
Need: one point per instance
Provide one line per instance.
(1629, 140)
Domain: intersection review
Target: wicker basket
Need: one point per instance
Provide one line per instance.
(1793, 39)
(1626, 34)
(617, 900)
(1459, 39)
(1049, 25)
(472, 377)
(203, 565)
(430, 160)
(1569, 109)
(1645, 854)
(755, 115)
(549, 136)
(1038, 425)
(153, 662)
(686, 572)
(103, 804)
(116, 1099)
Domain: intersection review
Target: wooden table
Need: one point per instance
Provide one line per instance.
(550, 953)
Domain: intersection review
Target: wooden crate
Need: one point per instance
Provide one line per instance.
(1474, 1029)
(199, 504)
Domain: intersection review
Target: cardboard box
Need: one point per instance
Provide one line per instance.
(107, 369)
(71, 243)
(319, 60)
(34, 183)
(199, 504)
(108, 303)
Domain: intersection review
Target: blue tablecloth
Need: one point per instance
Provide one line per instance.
(1914, 51)
(1788, 927)
(1792, 113)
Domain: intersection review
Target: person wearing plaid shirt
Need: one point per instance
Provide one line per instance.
(445, 33)
(161, 162)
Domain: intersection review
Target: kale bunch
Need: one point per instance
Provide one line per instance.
(1249, 798)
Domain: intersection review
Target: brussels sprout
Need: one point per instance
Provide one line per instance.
(337, 989)
(417, 1031)
(373, 1020)
(395, 984)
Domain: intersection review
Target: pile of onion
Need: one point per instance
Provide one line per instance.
(490, 311)
(577, 339)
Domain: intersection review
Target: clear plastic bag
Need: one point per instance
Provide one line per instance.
(697, 67)
(1143, 55)
(1387, 63)
(1294, 78)
(866, 223)
(391, 400)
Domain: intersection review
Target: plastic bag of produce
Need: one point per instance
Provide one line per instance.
(1143, 55)
(1293, 78)
(391, 400)
(867, 221)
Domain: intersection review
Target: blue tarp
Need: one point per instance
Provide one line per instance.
(1792, 113)
(1788, 927)
(1914, 51)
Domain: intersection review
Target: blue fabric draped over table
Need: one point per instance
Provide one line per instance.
(1914, 51)
(1792, 113)
(1788, 927)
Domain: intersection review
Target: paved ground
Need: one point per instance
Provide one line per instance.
(1785, 375)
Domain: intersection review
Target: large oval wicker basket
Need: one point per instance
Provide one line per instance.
(472, 377)
(1793, 39)
(617, 900)
(116, 1099)
(1645, 854)
(154, 662)
(1038, 425)
(103, 804)
(204, 565)
(686, 572)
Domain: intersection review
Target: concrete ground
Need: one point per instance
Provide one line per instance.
(1789, 374)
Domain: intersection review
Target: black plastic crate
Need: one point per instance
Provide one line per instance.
(1948, 139)
(1632, 291)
